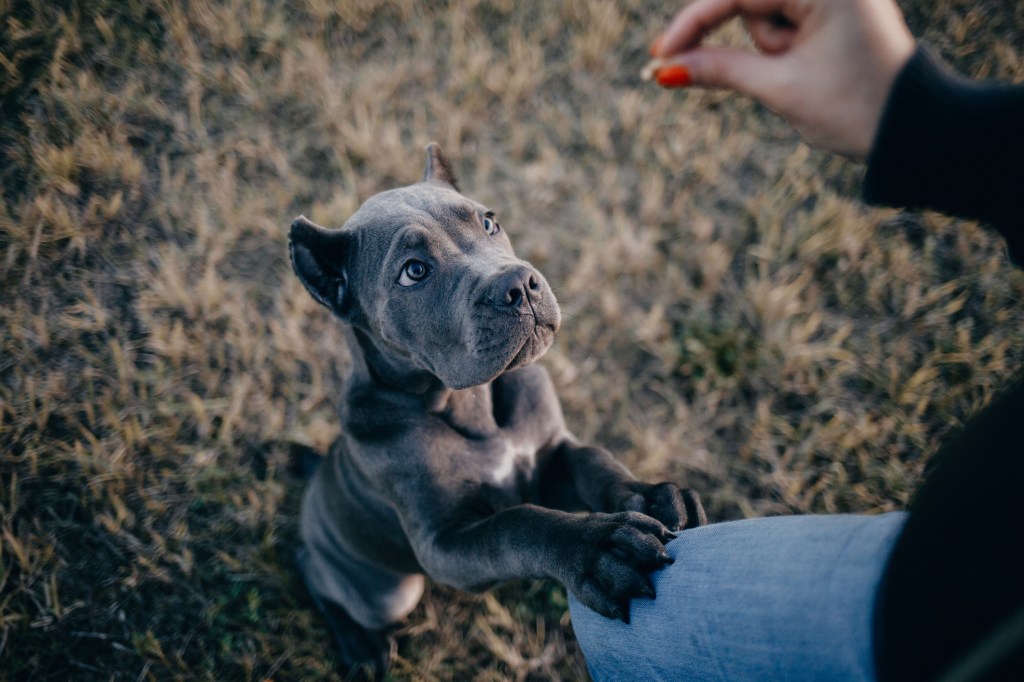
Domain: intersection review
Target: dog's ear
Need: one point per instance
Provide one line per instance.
(319, 258)
(438, 169)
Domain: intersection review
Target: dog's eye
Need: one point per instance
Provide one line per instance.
(491, 227)
(412, 272)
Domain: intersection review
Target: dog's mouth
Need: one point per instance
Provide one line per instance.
(499, 336)
(520, 349)
(533, 346)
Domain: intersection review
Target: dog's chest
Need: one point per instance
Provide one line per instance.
(512, 461)
(505, 473)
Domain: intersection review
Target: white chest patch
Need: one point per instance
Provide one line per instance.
(506, 465)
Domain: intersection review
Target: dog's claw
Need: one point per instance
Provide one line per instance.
(677, 508)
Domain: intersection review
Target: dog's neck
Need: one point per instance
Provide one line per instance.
(470, 411)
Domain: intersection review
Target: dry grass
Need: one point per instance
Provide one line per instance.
(735, 317)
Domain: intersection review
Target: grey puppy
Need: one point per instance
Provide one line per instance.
(454, 459)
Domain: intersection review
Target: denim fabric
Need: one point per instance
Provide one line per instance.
(781, 598)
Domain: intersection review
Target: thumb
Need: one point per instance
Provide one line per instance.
(747, 73)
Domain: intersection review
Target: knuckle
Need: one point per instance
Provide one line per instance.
(625, 535)
(635, 503)
(634, 517)
(690, 492)
(669, 492)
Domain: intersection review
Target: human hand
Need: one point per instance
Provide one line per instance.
(826, 66)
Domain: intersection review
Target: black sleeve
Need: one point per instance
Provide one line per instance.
(952, 145)
(956, 575)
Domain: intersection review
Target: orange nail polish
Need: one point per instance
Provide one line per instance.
(674, 76)
(656, 46)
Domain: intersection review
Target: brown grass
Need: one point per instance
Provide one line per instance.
(735, 318)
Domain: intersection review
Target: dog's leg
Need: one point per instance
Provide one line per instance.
(603, 559)
(363, 654)
(598, 482)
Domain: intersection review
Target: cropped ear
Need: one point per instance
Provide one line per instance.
(438, 170)
(319, 258)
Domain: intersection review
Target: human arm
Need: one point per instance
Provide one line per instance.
(952, 145)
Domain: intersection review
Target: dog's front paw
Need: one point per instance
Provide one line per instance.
(675, 507)
(613, 558)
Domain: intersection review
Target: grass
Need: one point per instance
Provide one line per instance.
(734, 317)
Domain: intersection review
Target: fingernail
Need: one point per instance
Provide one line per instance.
(675, 76)
(655, 47)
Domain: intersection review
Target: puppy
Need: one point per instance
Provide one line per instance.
(454, 459)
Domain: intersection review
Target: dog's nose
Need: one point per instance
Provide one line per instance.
(514, 288)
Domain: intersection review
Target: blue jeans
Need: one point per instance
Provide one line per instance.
(781, 598)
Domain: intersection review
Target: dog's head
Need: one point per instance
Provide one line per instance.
(431, 277)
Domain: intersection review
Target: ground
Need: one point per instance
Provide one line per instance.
(734, 317)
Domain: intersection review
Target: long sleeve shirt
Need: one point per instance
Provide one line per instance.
(952, 597)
